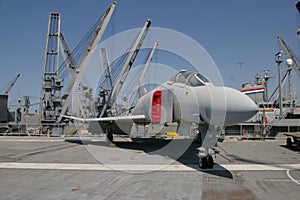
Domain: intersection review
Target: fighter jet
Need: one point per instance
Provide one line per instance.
(186, 100)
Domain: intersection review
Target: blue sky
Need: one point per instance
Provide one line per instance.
(231, 31)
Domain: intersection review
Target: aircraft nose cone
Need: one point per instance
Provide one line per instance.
(239, 107)
(225, 106)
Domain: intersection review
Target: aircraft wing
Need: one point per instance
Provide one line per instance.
(103, 119)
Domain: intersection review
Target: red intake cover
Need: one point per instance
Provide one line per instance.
(156, 105)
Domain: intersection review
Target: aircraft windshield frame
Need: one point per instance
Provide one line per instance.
(193, 79)
(202, 78)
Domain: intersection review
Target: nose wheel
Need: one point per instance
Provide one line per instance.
(206, 162)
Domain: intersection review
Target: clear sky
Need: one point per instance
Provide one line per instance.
(232, 31)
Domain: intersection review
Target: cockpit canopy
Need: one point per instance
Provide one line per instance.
(193, 79)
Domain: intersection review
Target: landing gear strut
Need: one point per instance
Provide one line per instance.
(109, 135)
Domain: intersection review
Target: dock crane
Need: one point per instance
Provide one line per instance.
(75, 81)
(4, 112)
(11, 84)
(291, 55)
(52, 103)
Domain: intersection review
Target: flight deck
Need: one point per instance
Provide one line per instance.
(69, 168)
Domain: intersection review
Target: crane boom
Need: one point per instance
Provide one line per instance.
(126, 67)
(282, 82)
(67, 54)
(11, 84)
(73, 85)
(105, 64)
(149, 59)
(290, 55)
(141, 90)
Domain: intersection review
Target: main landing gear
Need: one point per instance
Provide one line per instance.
(206, 160)
(109, 135)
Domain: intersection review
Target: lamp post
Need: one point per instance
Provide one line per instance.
(289, 63)
(266, 79)
(279, 61)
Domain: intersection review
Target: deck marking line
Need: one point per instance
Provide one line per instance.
(145, 167)
(290, 177)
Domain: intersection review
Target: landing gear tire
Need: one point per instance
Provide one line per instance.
(203, 163)
(198, 139)
(210, 161)
(206, 162)
(289, 142)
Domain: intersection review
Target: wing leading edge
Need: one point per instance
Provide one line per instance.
(103, 119)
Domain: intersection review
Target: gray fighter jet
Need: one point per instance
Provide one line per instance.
(187, 101)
